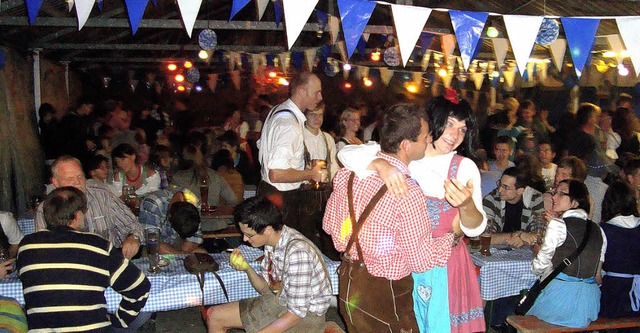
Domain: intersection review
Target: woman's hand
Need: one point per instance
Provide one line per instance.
(456, 193)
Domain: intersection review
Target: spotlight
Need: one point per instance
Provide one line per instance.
(188, 64)
(346, 67)
(492, 32)
(412, 88)
(347, 85)
(272, 74)
(375, 56)
(203, 54)
(283, 81)
(198, 88)
(172, 67)
(181, 88)
(179, 78)
(367, 82)
(442, 72)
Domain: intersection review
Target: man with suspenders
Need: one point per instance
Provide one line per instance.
(281, 152)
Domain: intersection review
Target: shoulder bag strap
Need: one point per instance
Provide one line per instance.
(363, 217)
(320, 257)
(567, 261)
(328, 154)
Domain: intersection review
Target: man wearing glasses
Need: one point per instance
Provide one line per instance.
(512, 209)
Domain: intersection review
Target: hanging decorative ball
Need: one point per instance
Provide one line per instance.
(548, 32)
(331, 68)
(391, 57)
(193, 75)
(208, 39)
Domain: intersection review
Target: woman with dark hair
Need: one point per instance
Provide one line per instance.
(621, 269)
(130, 172)
(624, 122)
(451, 184)
(572, 298)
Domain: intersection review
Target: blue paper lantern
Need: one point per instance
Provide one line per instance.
(208, 39)
(548, 32)
(193, 75)
(391, 57)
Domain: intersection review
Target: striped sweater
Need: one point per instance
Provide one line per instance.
(64, 274)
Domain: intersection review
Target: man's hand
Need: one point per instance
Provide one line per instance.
(456, 193)
(130, 247)
(515, 240)
(318, 173)
(391, 176)
(6, 267)
(529, 238)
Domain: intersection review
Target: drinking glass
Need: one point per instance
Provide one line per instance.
(485, 243)
(152, 235)
(204, 194)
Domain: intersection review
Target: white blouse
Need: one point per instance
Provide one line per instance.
(555, 236)
(430, 172)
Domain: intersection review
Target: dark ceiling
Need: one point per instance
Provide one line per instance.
(106, 38)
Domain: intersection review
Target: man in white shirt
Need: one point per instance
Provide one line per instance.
(320, 146)
(546, 154)
(281, 151)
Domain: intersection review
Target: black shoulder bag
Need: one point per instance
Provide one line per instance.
(527, 300)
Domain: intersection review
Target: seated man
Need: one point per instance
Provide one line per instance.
(511, 209)
(569, 167)
(177, 219)
(295, 287)
(106, 215)
(64, 272)
(10, 234)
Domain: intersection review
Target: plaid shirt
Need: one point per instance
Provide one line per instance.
(396, 238)
(106, 216)
(306, 288)
(153, 213)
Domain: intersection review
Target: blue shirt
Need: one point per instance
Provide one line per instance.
(153, 213)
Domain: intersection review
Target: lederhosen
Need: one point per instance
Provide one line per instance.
(369, 303)
(293, 203)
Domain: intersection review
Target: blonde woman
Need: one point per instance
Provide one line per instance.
(348, 127)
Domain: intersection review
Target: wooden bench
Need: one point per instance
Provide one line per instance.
(231, 231)
(531, 324)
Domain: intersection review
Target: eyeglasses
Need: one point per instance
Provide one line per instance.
(249, 236)
(503, 186)
(560, 193)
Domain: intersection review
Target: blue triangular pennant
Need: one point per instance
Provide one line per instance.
(580, 34)
(325, 52)
(33, 7)
(468, 27)
(136, 10)
(354, 15)
(100, 3)
(270, 58)
(237, 6)
(425, 41)
(277, 7)
(525, 75)
(155, 2)
(494, 80)
(322, 18)
(362, 46)
(296, 59)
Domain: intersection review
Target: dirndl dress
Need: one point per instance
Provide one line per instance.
(465, 312)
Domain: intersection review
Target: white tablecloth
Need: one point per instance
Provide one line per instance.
(505, 273)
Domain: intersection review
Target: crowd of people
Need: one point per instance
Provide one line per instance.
(395, 210)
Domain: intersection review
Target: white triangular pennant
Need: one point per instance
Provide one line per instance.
(235, 79)
(365, 36)
(212, 81)
(285, 61)
(522, 30)
(70, 4)
(83, 9)
(448, 44)
(417, 77)
(500, 48)
(189, 11)
(296, 15)
(362, 72)
(628, 27)
(425, 60)
(509, 77)
(478, 79)
(342, 49)
(262, 7)
(409, 22)
(616, 46)
(255, 63)
(310, 55)
(446, 80)
(386, 75)
(558, 48)
(334, 28)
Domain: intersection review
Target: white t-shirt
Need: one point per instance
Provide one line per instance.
(10, 228)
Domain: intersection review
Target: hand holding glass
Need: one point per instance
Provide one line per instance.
(153, 239)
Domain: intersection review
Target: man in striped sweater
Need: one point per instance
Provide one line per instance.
(64, 272)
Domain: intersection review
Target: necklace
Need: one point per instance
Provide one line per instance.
(137, 177)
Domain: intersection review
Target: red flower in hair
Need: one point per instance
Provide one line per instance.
(451, 95)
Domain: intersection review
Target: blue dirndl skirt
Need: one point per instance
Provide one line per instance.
(568, 301)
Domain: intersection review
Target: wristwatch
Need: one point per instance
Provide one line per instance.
(134, 237)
